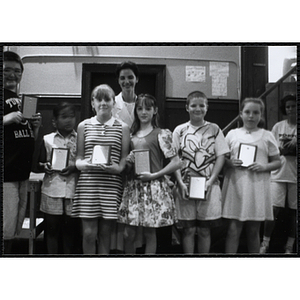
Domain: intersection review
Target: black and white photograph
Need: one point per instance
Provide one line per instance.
(192, 108)
(189, 89)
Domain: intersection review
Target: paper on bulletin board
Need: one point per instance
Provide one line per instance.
(219, 71)
(195, 73)
(219, 86)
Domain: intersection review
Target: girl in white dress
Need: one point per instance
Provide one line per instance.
(246, 190)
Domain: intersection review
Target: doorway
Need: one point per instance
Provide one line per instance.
(152, 80)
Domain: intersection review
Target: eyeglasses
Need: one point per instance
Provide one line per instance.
(8, 71)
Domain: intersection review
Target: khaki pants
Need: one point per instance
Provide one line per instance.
(14, 207)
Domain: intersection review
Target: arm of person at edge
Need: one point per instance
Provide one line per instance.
(17, 117)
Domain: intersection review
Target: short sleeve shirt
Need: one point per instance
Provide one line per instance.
(55, 185)
(199, 146)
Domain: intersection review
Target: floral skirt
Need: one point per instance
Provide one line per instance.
(147, 204)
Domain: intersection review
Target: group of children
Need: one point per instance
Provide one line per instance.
(87, 204)
(106, 193)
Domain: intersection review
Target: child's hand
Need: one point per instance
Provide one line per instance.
(289, 147)
(257, 167)
(47, 168)
(145, 176)
(184, 191)
(85, 164)
(68, 170)
(113, 168)
(236, 162)
(130, 158)
(208, 185)
(13, 117)
(36, 120)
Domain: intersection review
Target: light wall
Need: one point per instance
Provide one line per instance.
(277, 56)
(58, 69)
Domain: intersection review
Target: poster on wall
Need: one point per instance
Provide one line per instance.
(219, 71)
(195, 73)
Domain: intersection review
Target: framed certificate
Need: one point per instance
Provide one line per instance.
(59, 158)
(101, 155)
(247, 154)
(197, 188)
(142, 161)
(29, 106)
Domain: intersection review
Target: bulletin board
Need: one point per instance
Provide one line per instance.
(217, 79)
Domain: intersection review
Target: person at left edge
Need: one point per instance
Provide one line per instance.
(19, 142)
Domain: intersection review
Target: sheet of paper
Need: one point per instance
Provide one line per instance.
(29, 106)
(142, 161)
(195, 73)
(197, 188)
(101, 154)
(247, 154)
(59, 159)
(219, 71)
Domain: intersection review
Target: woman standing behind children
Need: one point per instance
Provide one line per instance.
(147, 199)
(58, 186)
(202, 147)
(99, 189)
(284, 180)
(246, 190)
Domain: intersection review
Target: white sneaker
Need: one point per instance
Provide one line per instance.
(263, 248)
(288, 250)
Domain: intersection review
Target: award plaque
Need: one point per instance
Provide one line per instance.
(142, 161)
(197, 188)
(59, 158)
(101, 155)
(247, 154)
(29, 106)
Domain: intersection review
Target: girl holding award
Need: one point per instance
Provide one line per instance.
(202, 148)
(246, 188)
(57, 160)
(147, 199)
(102, 147)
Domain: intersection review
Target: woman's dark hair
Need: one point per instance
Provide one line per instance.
(62, 105)
(12, 56)
(284, 100)
(127, 65)
(148, 101)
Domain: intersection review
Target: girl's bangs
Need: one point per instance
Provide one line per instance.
(147, 102)
(103, 94)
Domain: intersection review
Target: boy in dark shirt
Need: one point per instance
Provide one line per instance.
(19, 139)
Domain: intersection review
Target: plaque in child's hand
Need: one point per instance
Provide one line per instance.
(142, 161)
(59, 158)
(247, 154)
(29, 106)
(101, 155)
(197, 188)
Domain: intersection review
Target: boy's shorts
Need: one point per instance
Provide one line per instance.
(14, 207)
(56, 206)
(282, 190)
(197, 212)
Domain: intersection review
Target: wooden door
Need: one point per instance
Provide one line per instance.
(254, 69)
